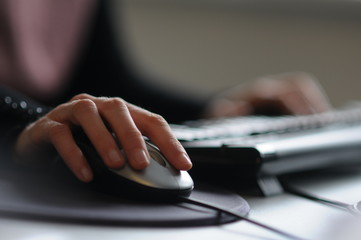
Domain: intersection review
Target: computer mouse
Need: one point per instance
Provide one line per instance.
(159, 181)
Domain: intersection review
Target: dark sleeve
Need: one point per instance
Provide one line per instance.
(16, 112)
(104, 70)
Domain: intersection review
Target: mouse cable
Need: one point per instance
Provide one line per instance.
(241, 217)
(330, 202)
(304, 194)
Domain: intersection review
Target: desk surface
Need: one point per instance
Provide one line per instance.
(301, 217)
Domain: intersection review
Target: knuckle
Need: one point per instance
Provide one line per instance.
(71, 155)
(57, 131)
(57, 112)
(174, 140)
(115, 103)
(156, 119)
(111, 104)
(84, 105)
(303, 76)
(34, 131)
(298, 79)
(80, 96)
(133, 135)
(175, 144)
(104, 143)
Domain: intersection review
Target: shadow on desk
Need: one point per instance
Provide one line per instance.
(58, 196)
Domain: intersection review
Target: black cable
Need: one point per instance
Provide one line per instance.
(351, 208)
(310, 196)
(241, 217)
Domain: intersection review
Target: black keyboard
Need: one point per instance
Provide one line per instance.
(269, 146)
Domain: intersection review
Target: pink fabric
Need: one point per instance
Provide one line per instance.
(39, 40)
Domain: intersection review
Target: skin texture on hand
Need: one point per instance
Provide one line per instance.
(283, 94)
(95, 115)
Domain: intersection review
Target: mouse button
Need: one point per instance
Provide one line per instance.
(154, 175)
(184, 180)
(163, 177)
(155, 154)
(157, 157)
(169, 177)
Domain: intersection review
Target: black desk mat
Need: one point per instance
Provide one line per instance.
(35, 195)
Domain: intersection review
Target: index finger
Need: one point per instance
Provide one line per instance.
(159, 132)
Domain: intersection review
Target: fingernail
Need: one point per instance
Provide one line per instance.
(86, 174)
(115, 157)
(141, 158)
(185, 160)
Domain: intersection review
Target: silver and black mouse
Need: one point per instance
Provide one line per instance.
(159, 181)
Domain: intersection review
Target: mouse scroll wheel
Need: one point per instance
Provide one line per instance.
(156, 156)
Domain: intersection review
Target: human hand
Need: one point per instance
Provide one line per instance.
(289, 93)
(94, 115)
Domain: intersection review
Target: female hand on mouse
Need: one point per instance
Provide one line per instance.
(94, 115)
(289, 93)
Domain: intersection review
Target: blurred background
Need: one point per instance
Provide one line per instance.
(202, 46)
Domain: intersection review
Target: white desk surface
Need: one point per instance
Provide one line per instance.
(301, 217)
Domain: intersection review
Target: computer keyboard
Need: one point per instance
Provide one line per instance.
(269, 146)
(261, 125)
